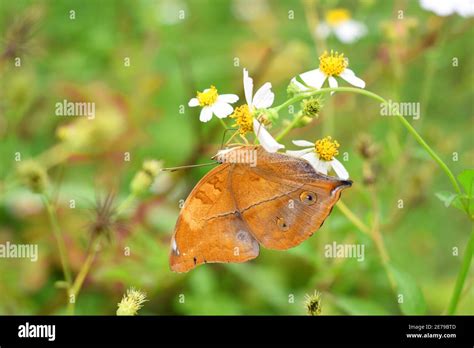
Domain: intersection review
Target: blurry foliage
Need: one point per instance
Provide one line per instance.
(137, 111)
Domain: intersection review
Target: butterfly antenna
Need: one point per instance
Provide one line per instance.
(173, 169)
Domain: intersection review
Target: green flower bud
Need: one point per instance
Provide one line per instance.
(152, 167)
(311, 107)
(33, 176)
(143, 180)
(141, 183)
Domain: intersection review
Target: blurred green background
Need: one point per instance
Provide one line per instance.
(138, 112)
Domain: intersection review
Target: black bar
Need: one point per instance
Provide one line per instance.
(82, 330)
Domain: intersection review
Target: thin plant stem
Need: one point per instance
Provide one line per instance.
(461, 278)
(222, 123)
(373, 232)
(352, 217)
(292, 124)
(125, 204)
(81, 276)
(59, 239)
(378, 239)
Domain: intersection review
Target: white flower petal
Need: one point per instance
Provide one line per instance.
(303, 143)
(314, 78)
(221, 109)
(440, 7)
(206, 114)
(300, 86)
(322, 167)
(464, 8)
(313, 160)
(227, 98)
(193, 102)
(332, 83)
(264, 97)
(265, 138)
(339, 169)
(323, 30)
(350, 31)
(299, 153)
(350, 77)
(248, 87)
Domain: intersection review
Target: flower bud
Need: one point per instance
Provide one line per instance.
(152, 167)
(143, 180)
(366, 147)
(311, 107)
(141, 183)
(33, 176)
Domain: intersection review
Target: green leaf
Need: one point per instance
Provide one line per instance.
(357, 306)
(466, 178)
(446, 197)
(413, 301)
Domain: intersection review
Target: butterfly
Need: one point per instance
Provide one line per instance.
(276, 201)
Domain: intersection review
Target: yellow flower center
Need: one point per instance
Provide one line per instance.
(326, 148)
(208, 97)
(332, 64)
(243, 118)
(337, 16)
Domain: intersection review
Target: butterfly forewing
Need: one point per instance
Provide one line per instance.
(209, 228)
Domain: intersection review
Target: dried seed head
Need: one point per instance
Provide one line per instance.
(131, 302)
(313, 303)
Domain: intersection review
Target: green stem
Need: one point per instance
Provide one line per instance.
(407, 125)
(353, 218)
(81, 276)
(223, 123)
(289, 127)
(466, 263)
(59, 239)
(125, 204)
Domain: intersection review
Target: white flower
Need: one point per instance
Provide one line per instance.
(250, 10)
(464, 8)
(213, 103)
(339, 22)
(245, 114)
(330, 66)
(321, 155)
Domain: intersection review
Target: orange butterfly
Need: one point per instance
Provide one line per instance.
(279, 202)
